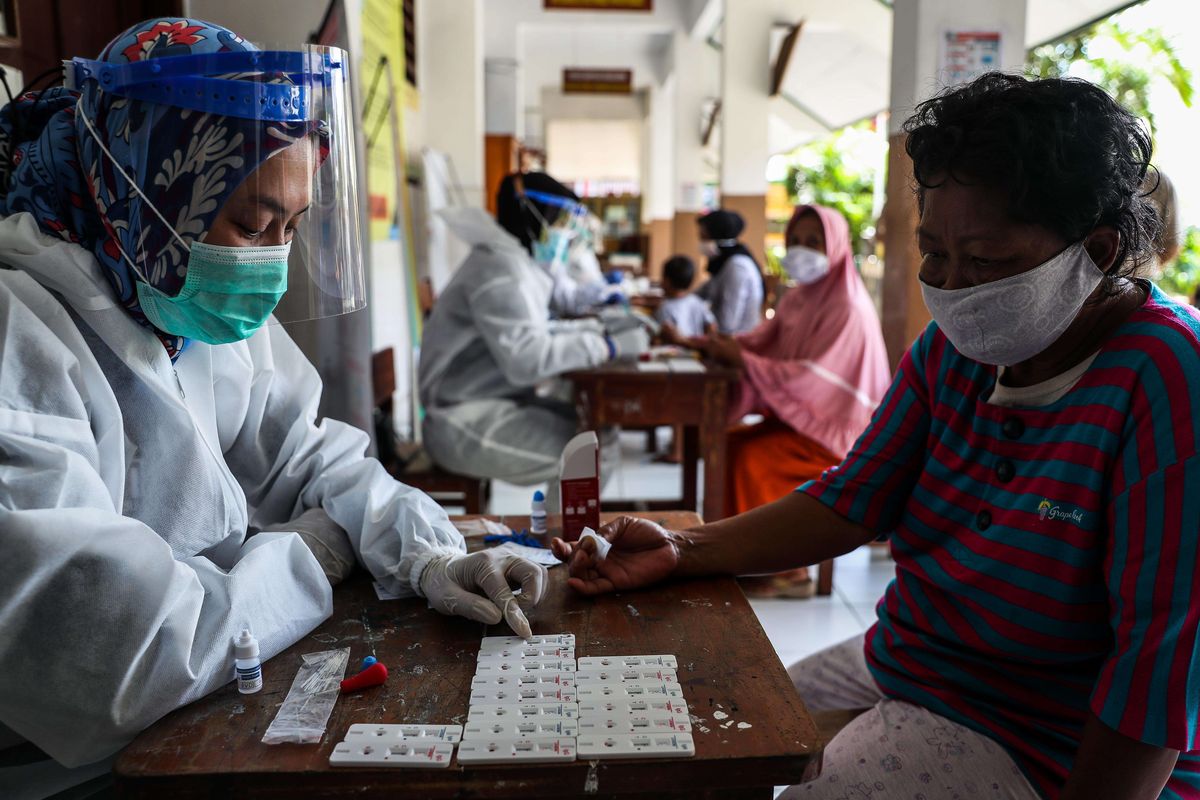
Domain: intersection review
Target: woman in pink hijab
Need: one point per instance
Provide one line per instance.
(815, 371)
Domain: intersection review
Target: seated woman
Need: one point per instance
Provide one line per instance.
(816, 371)
(1034, 463)
(490, 353)
(152, 415)
(735, 285)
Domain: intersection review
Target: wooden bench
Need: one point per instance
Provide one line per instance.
(448, 488)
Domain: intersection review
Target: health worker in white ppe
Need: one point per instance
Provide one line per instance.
(153, 413)
(491, 355)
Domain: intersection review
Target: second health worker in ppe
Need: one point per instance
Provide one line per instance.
(155, 208)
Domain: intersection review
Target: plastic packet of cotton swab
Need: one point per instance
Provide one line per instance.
(602, 544)
(305, 711)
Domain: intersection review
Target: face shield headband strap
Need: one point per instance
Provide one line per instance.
(182, 81)
(577, 211)
(116, 165)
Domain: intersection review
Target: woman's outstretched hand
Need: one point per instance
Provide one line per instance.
(642, 553)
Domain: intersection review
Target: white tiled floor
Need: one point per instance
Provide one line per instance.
(796, 627)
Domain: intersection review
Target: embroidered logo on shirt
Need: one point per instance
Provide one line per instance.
(1047, 510)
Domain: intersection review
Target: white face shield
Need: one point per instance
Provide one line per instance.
(282, 121)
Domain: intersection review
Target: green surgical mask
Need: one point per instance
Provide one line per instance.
(228, 293)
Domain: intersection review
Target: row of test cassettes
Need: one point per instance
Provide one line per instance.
(532, 701)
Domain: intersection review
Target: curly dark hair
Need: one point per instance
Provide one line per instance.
(1068, 156)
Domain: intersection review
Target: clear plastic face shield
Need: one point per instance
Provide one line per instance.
(261, 203)
(564, 224)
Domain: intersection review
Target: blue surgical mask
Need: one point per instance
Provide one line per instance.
(227, 295)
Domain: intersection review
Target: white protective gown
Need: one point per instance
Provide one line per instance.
(487, 346)
(126, 489)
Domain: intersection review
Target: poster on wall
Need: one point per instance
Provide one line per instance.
(968, 54)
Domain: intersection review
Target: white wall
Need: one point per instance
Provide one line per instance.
(594, 149)
(272, 23)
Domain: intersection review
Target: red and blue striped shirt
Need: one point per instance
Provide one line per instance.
(1047, 559)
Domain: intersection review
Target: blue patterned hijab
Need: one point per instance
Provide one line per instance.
(186, 162)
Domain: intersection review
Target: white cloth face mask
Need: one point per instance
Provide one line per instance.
(805, 265)
(1013, 319)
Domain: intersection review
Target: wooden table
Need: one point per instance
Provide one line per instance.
(212, 747)
(620, 394)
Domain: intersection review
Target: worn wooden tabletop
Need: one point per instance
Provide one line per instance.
(726, 664)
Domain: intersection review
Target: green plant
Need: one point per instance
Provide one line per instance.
(1123, 62)
(1182, 276)
(839, 171)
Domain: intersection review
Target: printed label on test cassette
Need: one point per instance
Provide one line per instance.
(600, 747)
(501, 666)
(528, 679)
(543, 640)
(505, 751)
(615, 707)
(390, 733)
(640, 675)
(593, 663)
(431, 755)
(634, 723)
(501, 696)
(520, 653)
(518, 729)
(604, 691)
(541, 712)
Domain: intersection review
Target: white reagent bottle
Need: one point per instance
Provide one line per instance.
(247, 664)
(537, 514)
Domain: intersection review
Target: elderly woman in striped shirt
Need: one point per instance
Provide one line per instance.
(1034, 464)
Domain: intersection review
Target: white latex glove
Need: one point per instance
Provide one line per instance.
(629, 343)
(327, 541)
(479, 587)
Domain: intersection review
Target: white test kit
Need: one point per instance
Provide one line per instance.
(501, 666)
(522, 711)
(540, 640)
(608, 707)
(626, 691)
(516, 654)
(667, 745)
(395, 754)
(526, 679)
(362, 732)
(626, 676)
(592, 663)
(630, 723)
(506, 751)
(499, 696)
(515, 729)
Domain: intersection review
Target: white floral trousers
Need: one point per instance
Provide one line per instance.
(895, 750)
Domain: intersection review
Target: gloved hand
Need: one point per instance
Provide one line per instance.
(326, 539)
(629, 343)
(478, 587)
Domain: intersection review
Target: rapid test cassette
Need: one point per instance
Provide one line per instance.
(505, 666)
(506, 751)
(641, 675)
(628, 691)
(527, 712)
(500, 695)
(427, 754)
(517, 729)
(363, 732)
(624, 706)
(538, 680)
(604, 746)
(633, 723)
(627, 662)
(544, 640)
(541, 651)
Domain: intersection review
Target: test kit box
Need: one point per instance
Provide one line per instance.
(579, 484)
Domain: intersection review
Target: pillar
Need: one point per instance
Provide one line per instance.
(452, 87)
(745, 105)
(697, 80)
(918, 32)
(658, 176)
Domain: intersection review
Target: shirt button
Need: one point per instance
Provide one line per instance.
(1013, 428)
(984, 519)
(1005, 470)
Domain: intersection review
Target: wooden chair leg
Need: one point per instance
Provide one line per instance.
(473, 498)
(652, 440)
(825, 578)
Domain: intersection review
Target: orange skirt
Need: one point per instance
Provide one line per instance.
(767, 461)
